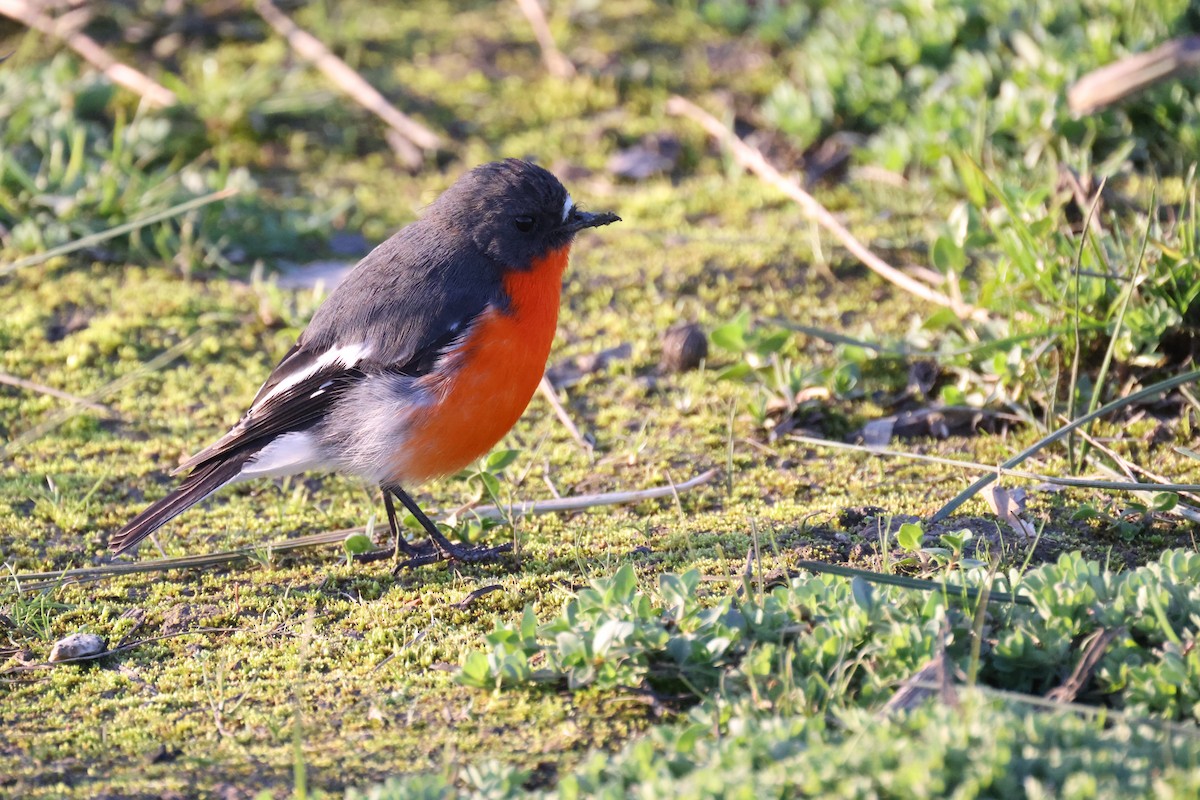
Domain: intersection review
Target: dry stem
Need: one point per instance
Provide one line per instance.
(547, 390)
(408, 137)
(121, 74)
(556, 63)
(1116, 81)
(753, 160)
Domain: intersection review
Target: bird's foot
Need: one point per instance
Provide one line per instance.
(431, 553)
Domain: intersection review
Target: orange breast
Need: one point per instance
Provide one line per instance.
(487, 384)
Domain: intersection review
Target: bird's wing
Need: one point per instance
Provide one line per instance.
(394, 308)
(307, 383)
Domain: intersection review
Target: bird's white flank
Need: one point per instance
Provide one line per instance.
(285, 455)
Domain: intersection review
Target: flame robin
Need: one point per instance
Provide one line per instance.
(420, 360)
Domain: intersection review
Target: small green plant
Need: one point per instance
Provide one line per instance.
(262, 555)
(33, 612)
(821, 644)
(358, 543)
(1130, 519)
(836, 640)
(486, 474)
(67, 512)
(486, 478)
(73, 163)
(765, 358)
(947, 555)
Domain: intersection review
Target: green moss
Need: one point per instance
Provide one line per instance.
(361, 662)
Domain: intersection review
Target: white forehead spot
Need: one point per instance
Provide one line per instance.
(568, 204)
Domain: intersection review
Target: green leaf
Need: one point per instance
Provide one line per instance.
(956, 540)
(499, 460)
(951, 395)
(972, 178)
(610, 634)
(1164, 501)
(948, 256)
(735, 372)
(1187, 452)
(1085, 512)
(674, 591)
(624, 583)
(687, 740)
(864, 593)
(529, 625)
(941, 320)
(732, 335)
(470, 531)
(845, 379)
(475, 671)
(357, 543)
(910, 536)
(491, 483)
(772, 342)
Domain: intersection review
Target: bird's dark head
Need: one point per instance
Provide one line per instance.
(514, 211)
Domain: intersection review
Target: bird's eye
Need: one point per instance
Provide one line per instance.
(524, 223)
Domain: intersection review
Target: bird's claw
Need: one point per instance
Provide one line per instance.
(431, 553)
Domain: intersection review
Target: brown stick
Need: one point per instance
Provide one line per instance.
(1128, 467)
(36, 581)
(1116, 81)
(121, 74)
(556, 63)
(754, 161)
(410, 137)
(21, 383)
(547, 390)
(1092, 653)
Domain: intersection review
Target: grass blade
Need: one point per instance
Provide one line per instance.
(1082, 483)
(111, 233)
(920, 584)
(1054, 436)
(59, 417)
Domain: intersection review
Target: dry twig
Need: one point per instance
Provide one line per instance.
(408, 138)
(467, 601)
(1092, 653)
(753, 160)
(31, 386)
(547, 390)
(1129, 467)
(556, 63)
(121, 74)
(1002, 471)
(1116, 81)
(933, 679)
(35, 581)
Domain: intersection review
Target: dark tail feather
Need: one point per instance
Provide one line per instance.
(203, 481)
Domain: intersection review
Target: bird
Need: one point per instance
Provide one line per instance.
(417, 363)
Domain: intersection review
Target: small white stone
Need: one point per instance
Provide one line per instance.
(77, 645)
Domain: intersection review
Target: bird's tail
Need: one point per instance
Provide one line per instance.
(202, 482)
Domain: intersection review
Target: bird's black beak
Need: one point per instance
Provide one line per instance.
(578, 220)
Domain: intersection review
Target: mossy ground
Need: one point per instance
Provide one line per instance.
(347, 663)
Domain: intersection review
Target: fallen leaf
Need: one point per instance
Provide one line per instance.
(1009, 505)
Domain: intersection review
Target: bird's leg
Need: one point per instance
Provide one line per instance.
(446, 549)
(402, 545)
